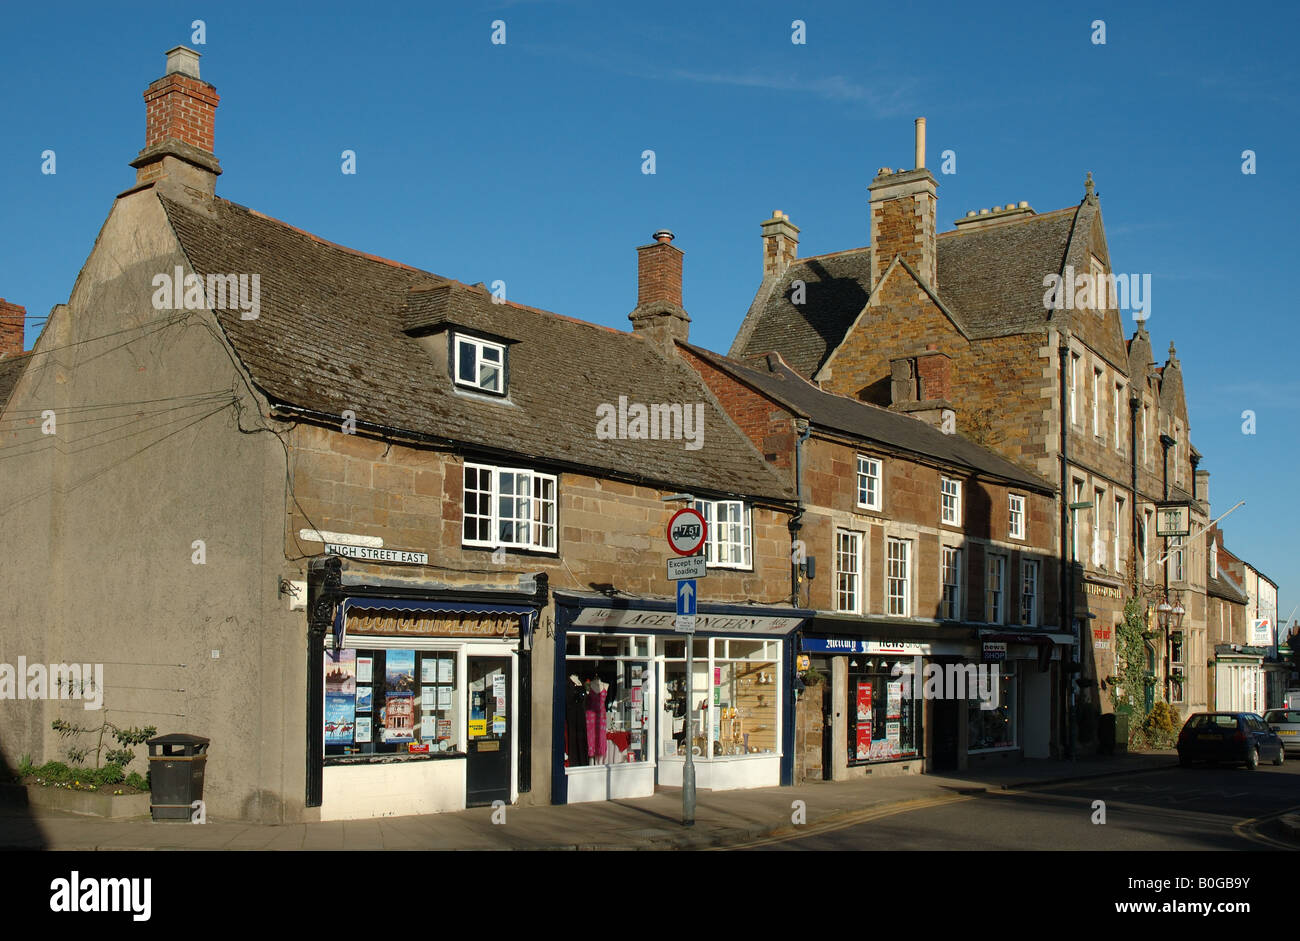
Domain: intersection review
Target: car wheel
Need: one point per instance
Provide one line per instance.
(1252, 759)
(1281, 756)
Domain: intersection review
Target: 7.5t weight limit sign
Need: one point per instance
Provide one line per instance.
(686, 532)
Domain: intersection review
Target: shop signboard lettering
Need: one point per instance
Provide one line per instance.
(664, 620)
(440, 625)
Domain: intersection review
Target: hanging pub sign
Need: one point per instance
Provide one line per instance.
(1173, 519)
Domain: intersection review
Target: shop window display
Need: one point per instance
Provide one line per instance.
(606, 701)
(994, 728)
(390, 701)
(884, 725)
(736, 699)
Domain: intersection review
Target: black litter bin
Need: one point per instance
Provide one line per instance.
(176, 775)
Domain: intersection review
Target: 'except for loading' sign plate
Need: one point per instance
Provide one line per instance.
(691, 566)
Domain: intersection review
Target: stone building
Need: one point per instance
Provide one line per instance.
(294, 487)
(1009, 328)
(918, 550)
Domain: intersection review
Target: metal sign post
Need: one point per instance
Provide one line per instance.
(687, 532)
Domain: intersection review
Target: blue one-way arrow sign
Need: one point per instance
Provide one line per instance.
(685, 605)
(686, 597)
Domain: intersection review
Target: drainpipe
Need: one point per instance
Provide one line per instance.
(796, 521)
(1167, 442)
(1067, 576)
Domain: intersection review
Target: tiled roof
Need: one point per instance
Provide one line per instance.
(990, 279)
(782, 383)
(11, 369)
(1220, 587)
(331, 336)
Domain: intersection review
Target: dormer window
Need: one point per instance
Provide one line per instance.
(480, 365)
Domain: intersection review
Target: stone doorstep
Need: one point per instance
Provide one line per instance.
(88, 803)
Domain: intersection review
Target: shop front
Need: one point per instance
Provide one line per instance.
(626, 709)
(422, 703)
(1238, 678)
(909, 698)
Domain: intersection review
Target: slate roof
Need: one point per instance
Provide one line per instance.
(990, 279)
(782, 383)
(1220, 587)
(11, 369)
(330, 337)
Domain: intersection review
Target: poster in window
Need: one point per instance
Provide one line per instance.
(341, 672)
(398, 716)
(444, 670)
(864, 705)
(498, 725)
(428, 697)
(444, 728)
(399, 670)
(444, 697)
(428, 670)
(864, 740)
(363, 729)
(364, 697)
(891, 734)
(365, 669)
(895, 697)
(339, 719)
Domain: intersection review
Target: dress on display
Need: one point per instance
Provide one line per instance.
(575, 732)
(596, 723)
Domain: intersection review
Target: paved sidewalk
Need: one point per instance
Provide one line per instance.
(722, 817)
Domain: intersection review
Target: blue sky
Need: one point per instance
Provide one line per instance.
(522, 162)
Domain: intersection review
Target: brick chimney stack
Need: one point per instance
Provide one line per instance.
(780, 244)
(11, 328)
(903, 208)
(180, 113)
(659, 311)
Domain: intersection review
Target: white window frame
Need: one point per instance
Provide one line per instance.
(995, 589)
(475, 382)
(1029, 592)
(1119, 397)
(1145, 410)
(720, 550)
(1016, 516)
(1077, 487)
(1098, 378)
(950, 573)
(1098, 543)
(898, 577)
(950, 498)
(870, 471)
(1115, 536)
(848, 571)
(1074, 388)
(1176, 560)
(537, 519)
(1214, 558)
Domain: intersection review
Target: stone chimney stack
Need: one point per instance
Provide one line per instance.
(12, 317)
(659, 311)
(780, 244)
(180, 112)
(903, 206)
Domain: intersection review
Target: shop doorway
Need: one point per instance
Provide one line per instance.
(487, 773)
(946, 717)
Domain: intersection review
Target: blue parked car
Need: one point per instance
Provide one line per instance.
(1229, 737)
